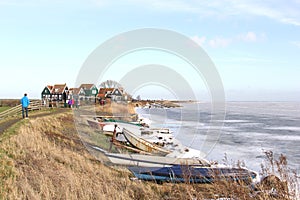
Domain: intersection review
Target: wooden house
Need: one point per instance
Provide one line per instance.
(113, 94)
(90, 89)
(54, 95)
(88, 92)
(117, 95)
(105, 93)
(59, 92)
(47, 92)
(74, 92)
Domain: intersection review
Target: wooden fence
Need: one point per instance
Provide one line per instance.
(17, 110)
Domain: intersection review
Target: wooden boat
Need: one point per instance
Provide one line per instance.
(95, 124)
(111, 128)
(152, 160)
(143, 144)
(193, 174)
(99, 123)
(121, 145)
(124, 122)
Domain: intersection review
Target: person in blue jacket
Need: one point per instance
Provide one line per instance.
(25, 103)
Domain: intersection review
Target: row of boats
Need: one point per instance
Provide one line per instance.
(154, 154)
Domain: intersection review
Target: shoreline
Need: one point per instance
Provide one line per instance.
(57, 146)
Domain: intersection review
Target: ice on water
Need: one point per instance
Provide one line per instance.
(248, 129)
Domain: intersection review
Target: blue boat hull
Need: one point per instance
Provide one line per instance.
(192, 174)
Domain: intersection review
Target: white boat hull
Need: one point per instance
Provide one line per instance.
(143, 144)
(151, 160)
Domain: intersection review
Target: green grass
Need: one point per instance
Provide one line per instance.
(12, 130)
(4, 108)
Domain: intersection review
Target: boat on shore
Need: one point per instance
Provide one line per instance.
(106, 123)
(152, 160)
(95, 124)
(143, 144)
(193, 173)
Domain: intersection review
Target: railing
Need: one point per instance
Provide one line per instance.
(34, 105)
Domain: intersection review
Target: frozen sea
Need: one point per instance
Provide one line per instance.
(246, 131)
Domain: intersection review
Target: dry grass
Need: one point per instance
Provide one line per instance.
(44, 159)
(116, 109)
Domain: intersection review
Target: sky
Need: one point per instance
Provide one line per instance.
(254, 45)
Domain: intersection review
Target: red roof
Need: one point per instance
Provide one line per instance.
(49, 87)
(86, 86)
(59, 88)
(74, 90)
(103, 91)
(101, 96)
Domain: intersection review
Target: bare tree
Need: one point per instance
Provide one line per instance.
(110, 84)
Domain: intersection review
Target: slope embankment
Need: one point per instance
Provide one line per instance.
(43, 158)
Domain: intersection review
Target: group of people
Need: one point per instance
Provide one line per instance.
(25, 104)
(71, 103)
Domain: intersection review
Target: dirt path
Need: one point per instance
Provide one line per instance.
(8, 123)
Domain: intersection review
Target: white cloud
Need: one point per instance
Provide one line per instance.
(248, 37)
(286, 12)
(282, 11)
(199, 40)
(219, 42)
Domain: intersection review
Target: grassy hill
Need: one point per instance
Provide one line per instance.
(43, 158)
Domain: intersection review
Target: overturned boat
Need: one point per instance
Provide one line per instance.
(193, 173)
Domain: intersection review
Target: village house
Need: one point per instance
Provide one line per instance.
(59, 92)
(112, 94)
(103, 95)
(85, 93)
(46, 93)
(54, 94)
(76, 93)
(89, 92)
(117, 95)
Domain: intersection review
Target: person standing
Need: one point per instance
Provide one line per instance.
(25, 103)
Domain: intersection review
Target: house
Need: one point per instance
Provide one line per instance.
(52, 95)
(89, 92)
(114, 94)
(105, 93)
(75, 93)
(59, 92)
(117, 94)
(46, 93)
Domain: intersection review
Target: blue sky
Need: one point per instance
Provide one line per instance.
(255, 45)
